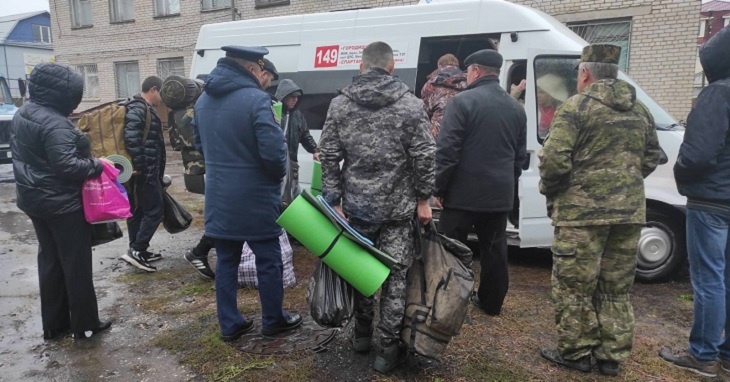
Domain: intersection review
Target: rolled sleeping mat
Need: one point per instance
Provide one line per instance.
(317, 179)
(179, 92)
(124, 166)
(348, 259)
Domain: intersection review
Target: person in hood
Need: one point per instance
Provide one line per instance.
(295, 127)
(245, 162)
(443, 84)
(380, 132)
(702, 172)
(146, 146)
(51, 161)
(602, 144)
(479, 156)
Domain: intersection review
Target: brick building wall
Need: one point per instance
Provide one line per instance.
(662, 39)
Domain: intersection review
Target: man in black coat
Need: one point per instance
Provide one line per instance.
(146, 145)
(702, 173)
(479, 153)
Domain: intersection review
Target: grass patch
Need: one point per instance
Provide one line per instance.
(687, 297)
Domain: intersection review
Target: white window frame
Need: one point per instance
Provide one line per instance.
(44, 31)
(213, 5)
(270, 3)
(132, 84)
(170, 66)
(624, 43)
(77, 12)
(703, 27)
(90, 72)
(118, 13)
(727, 21)
(165, 7)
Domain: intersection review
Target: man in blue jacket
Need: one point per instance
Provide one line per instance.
(702, 173)
(245, 161)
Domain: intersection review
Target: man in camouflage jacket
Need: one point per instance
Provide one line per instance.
(182, 139)
(442, 85)
(602, 144)
(380, 132)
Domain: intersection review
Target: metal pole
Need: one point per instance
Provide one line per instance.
(233, 10)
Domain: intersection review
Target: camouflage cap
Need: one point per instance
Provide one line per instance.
(603, 53)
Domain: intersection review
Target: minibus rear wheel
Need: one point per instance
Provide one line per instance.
(662, 248)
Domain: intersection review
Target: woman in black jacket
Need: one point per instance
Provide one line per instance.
(51, 160)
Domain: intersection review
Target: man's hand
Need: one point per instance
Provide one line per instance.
(107, 161)
(339, 211)
(438, 202)
(424, 212)
(316, 156)
(517, 90)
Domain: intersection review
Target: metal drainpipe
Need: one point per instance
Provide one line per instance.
(7, 69)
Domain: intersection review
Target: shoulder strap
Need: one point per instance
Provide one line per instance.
(148, 117)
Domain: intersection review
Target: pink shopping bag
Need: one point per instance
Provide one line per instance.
(104, 199)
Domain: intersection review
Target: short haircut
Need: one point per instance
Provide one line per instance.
(488, 70)
(151, 82)
(448, 59)
(377, 55)
(600, 70)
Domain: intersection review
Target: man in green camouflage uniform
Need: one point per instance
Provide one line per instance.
(602, 144)
(380, 132)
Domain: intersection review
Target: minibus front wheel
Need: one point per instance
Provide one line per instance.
(662, 248)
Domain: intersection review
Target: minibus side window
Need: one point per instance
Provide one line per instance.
(556, 79)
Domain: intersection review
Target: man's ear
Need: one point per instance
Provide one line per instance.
(391, 66)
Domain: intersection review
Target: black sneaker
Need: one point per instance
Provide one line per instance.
(200, 264)
(685, 360)
(150, 257)
(243, 330)
(136, 259)
(293, 321)
(609, 368)
(478, 303)
(104, 325)
(583, 364)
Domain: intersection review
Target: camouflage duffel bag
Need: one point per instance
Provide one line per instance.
(439, 285)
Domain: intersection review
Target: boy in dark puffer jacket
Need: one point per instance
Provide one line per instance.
(147, 149)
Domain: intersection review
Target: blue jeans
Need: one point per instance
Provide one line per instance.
(269, 269)
(709, 254)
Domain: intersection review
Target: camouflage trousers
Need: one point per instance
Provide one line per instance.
(593, 271)
(397, 239)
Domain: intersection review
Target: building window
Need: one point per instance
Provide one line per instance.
(727, 20)
(607, 32)
(81, 13)
(91, 80)
(127, 78)
(41, 33)
(121, 10)
(171, 66)
(167, 7)
(703, 27)
(270, 3)
(209, 5)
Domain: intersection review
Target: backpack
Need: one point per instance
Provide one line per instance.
(439, 285)
(104, 126)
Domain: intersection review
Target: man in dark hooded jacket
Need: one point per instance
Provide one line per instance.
(380, 132)
(295, 126)
(147, 149)
(442, 85)
(702, 172)
(245, 161)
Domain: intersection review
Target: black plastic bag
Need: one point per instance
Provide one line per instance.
(103, 233)
(176, 218)
(331, 299)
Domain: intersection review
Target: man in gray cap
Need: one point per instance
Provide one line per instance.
(245, 161)
(479, 156)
